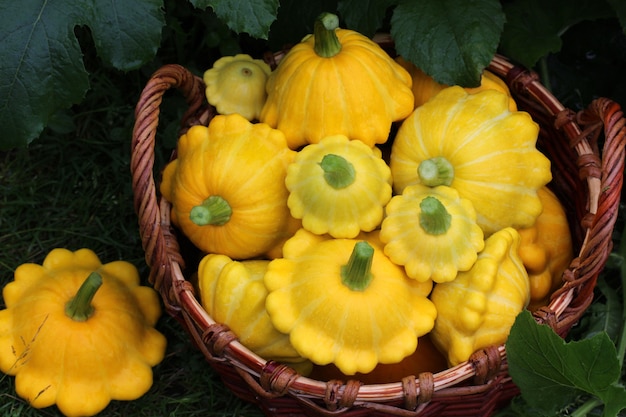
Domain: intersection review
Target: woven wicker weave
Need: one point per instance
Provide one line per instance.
(587, 154)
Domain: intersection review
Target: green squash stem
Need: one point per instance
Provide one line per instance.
(79, 308)
(357, 273)
(435, 171)
(434, 218)
(338, 171)
(326, 42)
(213, 211)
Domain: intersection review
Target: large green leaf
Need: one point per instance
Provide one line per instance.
(551, 372)
(451, 40)
(127, 34)
(38, 76)
(41, 67)
(253, 17)
(534, 27)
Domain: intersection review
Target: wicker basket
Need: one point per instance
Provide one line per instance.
(587, 180)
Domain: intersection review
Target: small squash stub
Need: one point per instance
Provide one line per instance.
(227, 186)
(546, 248)
(432, 232)
(78, 333)
(336, 81)
(236, 84)
(475, 144)
(342, 301)
(338, 186)
(233, 293)
(479, 307)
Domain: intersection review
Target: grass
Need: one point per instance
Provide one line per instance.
(71, 188)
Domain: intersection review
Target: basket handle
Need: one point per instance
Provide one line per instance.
(602, 115)
(602, 171)
(159, 244)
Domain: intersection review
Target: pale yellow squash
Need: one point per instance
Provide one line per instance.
(475, 144)
(338, 186)
(479, 307)
(432, 232)
(233, 293)
(343, 301)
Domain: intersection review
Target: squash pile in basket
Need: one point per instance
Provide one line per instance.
(323, 251)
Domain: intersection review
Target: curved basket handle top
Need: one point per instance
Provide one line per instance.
(606, 114)
(602, 171)
(159, 245)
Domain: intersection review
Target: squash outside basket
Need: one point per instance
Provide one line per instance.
(587, 180)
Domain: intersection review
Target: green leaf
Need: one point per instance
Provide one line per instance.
(41, 64)
(614, 400)
(605, 316)
(39, 74)
(253, 17)
(366, 16)
(551, 372)
(450, 40)
(533, 28)
(126, 34)
(519, 407)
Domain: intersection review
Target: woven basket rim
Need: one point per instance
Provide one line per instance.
(214, 339)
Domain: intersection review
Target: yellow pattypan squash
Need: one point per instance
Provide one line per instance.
(342, 301)
(78, 334)
(236, 84)
(432, 232)
(473, 143)
(336, 81)
(339, 187)
(479, 307)
(233, 293)
(425, 87)
(227, 186)
(546, 248)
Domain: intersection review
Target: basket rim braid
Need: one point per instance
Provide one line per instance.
(586, 149)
